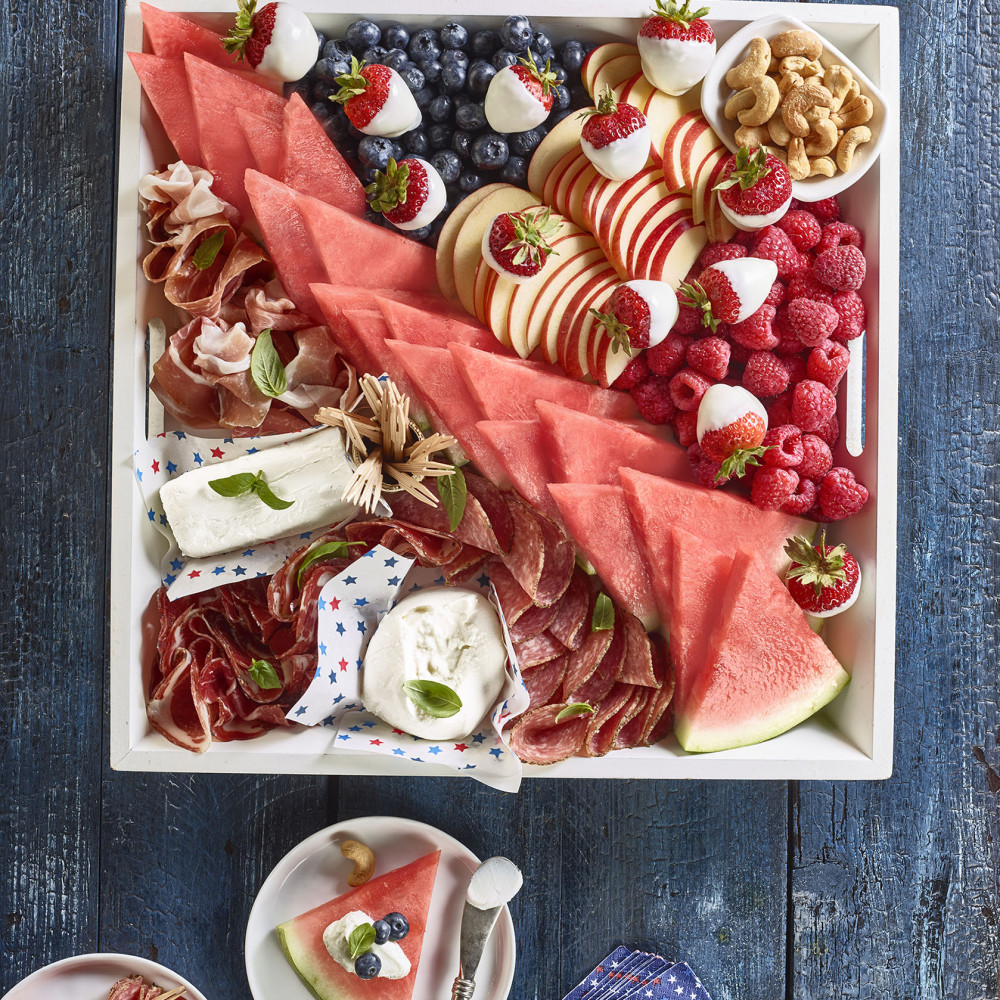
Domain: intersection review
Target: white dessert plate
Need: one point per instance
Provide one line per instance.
(315, 871)
(91, 976)
(715, 92)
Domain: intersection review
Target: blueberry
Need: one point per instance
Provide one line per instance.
(398, 150)
(515, 33)
(327, 70)
(423, 97)
(399, 925)
(414, 79)
(556, 115)
(515, 170)
(375, 150)
(374, 54)
(461, 142)
(503, 58)
(431, 68)
(440, 136)
(573, 55)
(440, 108)
(524, 143)
(367, 966)
(489, 151)
(479, 76)
(453, 79)
(336, 125)
(470, 181)
(485, 43)
(447, 164)
(424, 45)
(418, 236)
(367, 175)
(541, 45)
(322, 92)
(453, 35)
(337, 48)
(301, 87)
(396, 59)
(561, 98)
(416, 142)
(472, 117)
(375, 218)
(460, 100)
(321, 41)
(363, 34)
(454, 57)
(559, 70)
(396, 36)
(382, 931)
(321, 109)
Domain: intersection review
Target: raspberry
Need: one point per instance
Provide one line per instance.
(687, 388)
(635, 371)
(802, 228)
(775, 245)
(827, 210)
(812, 405)
(837, 234)
(708, 474)
(686, 428)
(744, 239)
(841, 495)
(694, 455)
(738, 354)
(709, 357)
(784, 446)
(688, 318)
(816, 457)
(765, 375)
(715, 252)
(795, 365)
(802, 500)
(805, 286)
(812, 321)
(851, 311)
(652, 397)
(842, 268)
(773, 487)
(755, 331)
(830, 431)
(777, 294)
(667, 357)
(828, 361)
(780, 411)
(788, 343)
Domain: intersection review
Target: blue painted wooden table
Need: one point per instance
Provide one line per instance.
(811, 890)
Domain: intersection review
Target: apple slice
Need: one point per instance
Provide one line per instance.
(564, 137)
(698, 142)
(586, 268)
(468, 246)
(678, 253)
(619, 208)
(664, 111)
(576, 192)
(673, 149)
(599, 57)
(481, 288)
(565, 178)
(449, 234)
(500, 293)
(701, 177)
(646, 222)
(566, 317)
(617, 74)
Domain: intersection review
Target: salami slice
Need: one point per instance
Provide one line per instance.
(559, 562)
(610, 705)
(659, 717)
(629, 731)
(543, 681)
(583, 661)
(602, 680)
(526, 557)
(572, 611)
(638, 654)
(466, 560)
(474, 528)
(537, 738)
(513, 599)
(495, 507)
(540, 649)
(601, 740)
(533, 622)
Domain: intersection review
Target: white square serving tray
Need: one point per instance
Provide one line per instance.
(851, 739)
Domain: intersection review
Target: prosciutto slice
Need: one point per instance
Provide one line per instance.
(134, 988)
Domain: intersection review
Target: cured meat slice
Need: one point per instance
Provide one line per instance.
(538, 650)
(638, 655)
(558, 564)
(474, 528)
(544, 681)
(601, 740)
(532, 623)
(584, 661)
(526, 558)
(602, 680)
(630, 725)
(610, 705)
(431, 548)
(513, 599)
(498, 513)
(572, 611)
(658, 715)
(537, 738)
(134, 987)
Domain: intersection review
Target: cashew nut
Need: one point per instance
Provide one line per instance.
(780, 135)
(823, 138)
(816, 114)
(838, 80)
(797, 43)
(822, 165)
(856, 112)
(778, 153)
(766, 100)
(772, 66)
(755, 65)
(752, 135)
(852, 139)
(798, 101)
(364, 861)
(740, 101)
(800, 65)
(798, 162)
(789, 81)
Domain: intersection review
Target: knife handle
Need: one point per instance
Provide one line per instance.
(462, 989)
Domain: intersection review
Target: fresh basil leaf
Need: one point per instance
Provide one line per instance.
(208, 250)
(584, 563)
(433, 697)
(264, 675)
(331, 550)
(361, 940)
(577, 708)
(264, 492)
(234, 486)
(604, 614)
(266, 369)
(453, 493)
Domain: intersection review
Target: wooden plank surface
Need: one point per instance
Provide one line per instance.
(892, 890)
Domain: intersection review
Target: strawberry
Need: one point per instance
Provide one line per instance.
(410, 194)
(755, 189)
(615, 137)
(516, 245)
(731, 290)
(277, 40)
(519, 97)
(676, 47)
(823, 579)
(731, 426)
(377, 100)
(638, 314)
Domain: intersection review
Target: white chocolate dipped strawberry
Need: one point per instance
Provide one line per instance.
(615, 137)
(278, 39)
(755, 189)
(516, 244)
(410, 194)
(676, 47)
(731, 290)
(519, 97)
(731, 427)
(824, 579)
(638, 314)
(377, 100)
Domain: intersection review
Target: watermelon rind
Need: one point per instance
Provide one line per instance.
(298, 959)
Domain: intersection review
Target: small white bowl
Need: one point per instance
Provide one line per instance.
(715, 92)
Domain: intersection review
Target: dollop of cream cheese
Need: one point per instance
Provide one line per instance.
(442, 634)
(336, 937)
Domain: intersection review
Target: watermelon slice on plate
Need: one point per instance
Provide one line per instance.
(171, 35)
(266, 140)
(405, 890)
(766, 670)
(518, 445)
(433, 328)
(165, 83)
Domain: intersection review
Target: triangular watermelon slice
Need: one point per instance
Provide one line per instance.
(165, 83)
(369, 297)
(453, 409)
(405, 890)
(586, 449)
(286, 239)
(518, 445)
(266, 141)
(171, 35)
(433, 328)
(766, 669)
(598, 520)
(313, 164)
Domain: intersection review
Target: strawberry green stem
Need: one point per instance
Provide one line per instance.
(235, 42)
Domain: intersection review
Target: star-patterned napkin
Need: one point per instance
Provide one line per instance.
(639, 975)
(350, 607)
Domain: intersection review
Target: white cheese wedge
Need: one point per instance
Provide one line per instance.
(312, 471)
